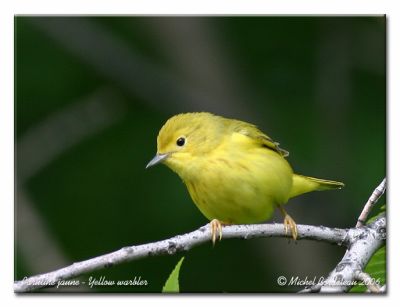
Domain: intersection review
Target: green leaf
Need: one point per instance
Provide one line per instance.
(376, 268)
(172, 283)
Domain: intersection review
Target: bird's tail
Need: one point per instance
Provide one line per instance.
(304, 184)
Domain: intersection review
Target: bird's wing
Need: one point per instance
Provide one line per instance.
(253, 132)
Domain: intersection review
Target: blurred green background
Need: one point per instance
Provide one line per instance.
(92, 93)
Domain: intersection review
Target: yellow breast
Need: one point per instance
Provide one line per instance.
(239, 182)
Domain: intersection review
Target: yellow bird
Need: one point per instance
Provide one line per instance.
(235, 173)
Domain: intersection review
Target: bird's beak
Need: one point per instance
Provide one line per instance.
(157, 159)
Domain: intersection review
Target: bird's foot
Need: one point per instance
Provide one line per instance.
(216, 226)
(289, 223)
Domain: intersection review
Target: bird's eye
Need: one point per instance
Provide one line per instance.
(180, 141)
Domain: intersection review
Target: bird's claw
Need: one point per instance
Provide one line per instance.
(289, 223)
(216, 226)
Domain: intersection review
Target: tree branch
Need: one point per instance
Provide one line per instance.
(361, 248)
(372, 200)
(179, 243)
(361, 243)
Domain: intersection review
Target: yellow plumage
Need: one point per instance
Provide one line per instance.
(234, 173)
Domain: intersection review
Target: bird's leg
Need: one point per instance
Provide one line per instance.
(288, 223)
(216, 226)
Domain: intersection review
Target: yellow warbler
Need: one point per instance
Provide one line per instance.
(235, 173)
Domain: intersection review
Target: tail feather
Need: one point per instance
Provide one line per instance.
(304, 184)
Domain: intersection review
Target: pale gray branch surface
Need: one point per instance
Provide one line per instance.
(362, 244)
(179, 243)
(362, 248)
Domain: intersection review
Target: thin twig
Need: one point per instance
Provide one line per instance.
(176, 244)
(368, 281)
(376, 194)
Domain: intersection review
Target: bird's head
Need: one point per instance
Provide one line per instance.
(185, 138)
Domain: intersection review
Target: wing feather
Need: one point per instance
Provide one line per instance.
(253, 132)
